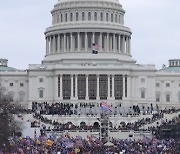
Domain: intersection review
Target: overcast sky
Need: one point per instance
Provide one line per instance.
(155, 26)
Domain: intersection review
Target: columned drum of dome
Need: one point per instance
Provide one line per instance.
(77, 24)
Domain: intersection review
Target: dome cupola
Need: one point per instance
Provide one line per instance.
(82, 26)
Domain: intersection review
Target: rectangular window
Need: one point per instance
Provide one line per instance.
(81, 86)
(167, 97)
(66, 85)
(167, 84)
(103, 86)
(92, 86)
(21, 84)
(83, 16)
(40, 79)
(118, 87)
(157, 84)
(142, 80)
(11, 84)
(41, 93)
(110, 86)
(59, 86)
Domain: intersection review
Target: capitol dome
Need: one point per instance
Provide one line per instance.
(77, 25)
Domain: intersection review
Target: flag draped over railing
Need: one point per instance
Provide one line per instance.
(105, 107)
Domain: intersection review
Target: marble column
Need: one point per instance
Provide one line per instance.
(78, 41)
(54, 43)
(87, 87)
(127, 45)
(97, 88)
(114, 43)
(119, 44)
(50, 44)
(107, 42)
(64, 42)
(58, 43)
(93, 37)
(86, 42)
(47, 45)
(72, 42)
(61, 90)
(100, 41)
(76, 86)
(113, 86)
(71, 86)
(130, 45)
(108, 86)
(123, 86)
(123, 44)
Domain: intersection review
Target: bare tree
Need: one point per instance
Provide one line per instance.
(8, 126)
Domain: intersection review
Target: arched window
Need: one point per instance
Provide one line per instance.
(61, 17)
(83, 16)
(71, 16)
(168, 97)
(157, 96)
(89, 16)
(116, 18)
(65, 17)
(107, 15)
(101, 16)
(119, 18)
(41, 92)
(57, 18)
(77, 16)
(11, 96)
(95, 16)
(21, 96)
(112, 18)
(143, 92)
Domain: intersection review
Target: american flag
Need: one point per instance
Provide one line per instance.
(105, 106)
(96, 46)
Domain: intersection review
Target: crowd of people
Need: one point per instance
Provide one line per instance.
(78, 145)
(122, 126)
(92, 109)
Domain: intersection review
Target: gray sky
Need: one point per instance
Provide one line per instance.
(155, 25)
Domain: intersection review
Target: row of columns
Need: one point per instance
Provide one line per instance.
(70, 42)
(87, 87)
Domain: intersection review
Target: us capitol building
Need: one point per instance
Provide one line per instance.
(71, 73)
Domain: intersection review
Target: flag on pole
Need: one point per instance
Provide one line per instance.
(104, 106)
(94, 52)
(95, 46)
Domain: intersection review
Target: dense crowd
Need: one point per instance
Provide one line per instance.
(92, 109)
(68, 145)
(122, 126)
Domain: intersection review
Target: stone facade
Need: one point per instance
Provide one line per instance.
(70, 72)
